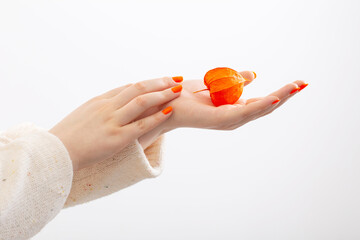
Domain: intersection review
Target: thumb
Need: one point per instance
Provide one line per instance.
(249, 76)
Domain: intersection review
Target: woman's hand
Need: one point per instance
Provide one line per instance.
(196, 109)
(106, 124)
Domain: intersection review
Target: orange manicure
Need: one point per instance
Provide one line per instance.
(303, 86)
(178, 78)
(295, 90)
(167, 110)
(254, 75)
(177, 88)
(276, 101)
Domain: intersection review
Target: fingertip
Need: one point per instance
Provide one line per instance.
(299, 82)
(171, 81)
(294, 90)
(303, 86)
(249, 76)
(177, 89)
(276, 101)
(178, 79)
(273, 100)
(167, 110)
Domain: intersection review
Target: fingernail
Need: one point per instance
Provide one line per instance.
(178, 78)
(303, 86)
(276, 101)
(295, 90)
(254, 75)
(167, 110)
(177, 88)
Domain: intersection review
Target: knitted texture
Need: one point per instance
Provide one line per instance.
(128, 167)
(37, 178)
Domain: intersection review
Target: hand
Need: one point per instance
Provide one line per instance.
(196, 109)
(106, 124)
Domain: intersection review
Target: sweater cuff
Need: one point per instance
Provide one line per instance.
(129, 166)
(38, 173)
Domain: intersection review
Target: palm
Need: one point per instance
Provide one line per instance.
(196, 109)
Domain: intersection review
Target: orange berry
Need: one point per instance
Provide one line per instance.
(225, 85)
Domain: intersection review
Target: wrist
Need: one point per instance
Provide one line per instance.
(74, 160)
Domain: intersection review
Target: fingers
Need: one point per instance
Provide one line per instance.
(259, 106)
(143, 87)
(244, 113)
(287, 90)
(114, 91)
(241, 101)
(251, 100)
(140, 127)
(284, 94)
(141, 103)
(249, 76)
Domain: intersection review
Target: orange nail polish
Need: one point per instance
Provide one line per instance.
(295, 90)
(276, 101)
(178, 78)
(254, 75)
(177, 88)
(167, 110)
(303, 86)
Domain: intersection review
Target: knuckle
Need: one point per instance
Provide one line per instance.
(141, 125)
(113, 131)
(95, 99)
(158, 118)
(140, 101)
(110, 125)
(97, 105)
(163, 96)
(167, 81)
(140, 86)
(299, 82)
(128, 85)
(292, 85)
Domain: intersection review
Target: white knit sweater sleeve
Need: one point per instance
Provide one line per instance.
(35, 179)
(126, 168)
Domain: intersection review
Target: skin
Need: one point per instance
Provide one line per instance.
(197, 110)
(106, 124)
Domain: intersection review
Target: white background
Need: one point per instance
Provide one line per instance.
(294, 174)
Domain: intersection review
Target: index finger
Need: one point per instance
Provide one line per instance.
(288, 89)
(263, 105)
(147, 86)
(245, 113)
(283, 94)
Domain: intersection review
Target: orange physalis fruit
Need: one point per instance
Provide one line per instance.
(225, 85)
